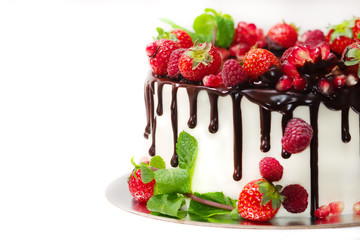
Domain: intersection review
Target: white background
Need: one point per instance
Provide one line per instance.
(72, 112)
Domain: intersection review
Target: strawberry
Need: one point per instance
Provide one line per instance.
(141, 191)
(198, 61)
(159, 53)
(248, 33)
(351, 58)
(283, 34)
(257, 61)
(259, 200)
(181, 37)
(343, 34)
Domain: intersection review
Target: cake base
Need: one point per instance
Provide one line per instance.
(118, 194)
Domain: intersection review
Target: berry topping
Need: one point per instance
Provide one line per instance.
(356, 208)
(160, 58)
(198, 61)
(248, 33)
(284, 83)
(343, 34)
(313, 37)
(239, 50)
(283, 34)
(325, 86)
(296, 198)
(336, 208)
(351, 58)
(297, 136)
(300, 83)
(179, 36)
(233, 73)
(173, 65)
(212, 80)
(271, 169)
(259, 200)
(322, 212)
(224, 53)
(257, 61)
(141, 191)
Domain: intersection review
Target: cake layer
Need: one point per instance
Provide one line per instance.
(236, 128)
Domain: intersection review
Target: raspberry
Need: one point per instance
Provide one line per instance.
(142, 192)
(296, 198)
(233, 73)
(297, 136)
(173, 65)
(336, 208)
(313, 38)
(322, 212)
(271, 169)
(212, 80)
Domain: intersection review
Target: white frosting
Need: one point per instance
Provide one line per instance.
(339, 163)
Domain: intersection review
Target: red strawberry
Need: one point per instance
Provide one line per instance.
(351, 58)
(159, 53)
(343, 34)
(173, 65)
(356, 208)
(181, 37)
(257, 61)
(336, 208)
(233, 73)
(297, 136)
(322, 212)
(283, 34)
(199, 61)
(259, 201)
(141, 191)
(296, 198)
(271, 169)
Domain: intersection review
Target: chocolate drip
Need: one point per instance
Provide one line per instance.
(159, 109)
(237, 122)
(285, 119)
(148, 107)
(265, 123)
(345, 134)
(174, 123)
(314, 166)
(214, 122)
(193, 94)
(152, 150)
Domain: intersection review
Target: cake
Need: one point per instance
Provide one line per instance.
(237, 123)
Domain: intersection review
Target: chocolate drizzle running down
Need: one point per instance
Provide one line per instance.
(269, 100)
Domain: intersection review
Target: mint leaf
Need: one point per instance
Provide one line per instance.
(204, 26)
(234, 214)
(157, 162)
(225, 31)
(203, 210)
(174, 180)
(147, 175)
(186, 149)
(167, 204)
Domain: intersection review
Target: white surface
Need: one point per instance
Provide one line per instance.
(67, 126)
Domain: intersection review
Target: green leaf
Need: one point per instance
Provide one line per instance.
(174, 180)
(225, 31)
(186, 149)
(157, 162)
(147, 175)
(208, 211)
(351, 62)
(136, 167)
(204, 26)
(167, 204)
(193, 35)
(234, 214)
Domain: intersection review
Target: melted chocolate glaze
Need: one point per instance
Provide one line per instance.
(268, 100)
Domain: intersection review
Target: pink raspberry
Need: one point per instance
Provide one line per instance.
(233, 73)
(296, 198)
(297, 136)
(173, 66)
(271, 169)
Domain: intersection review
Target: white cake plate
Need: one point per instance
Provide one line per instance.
(118, 194)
